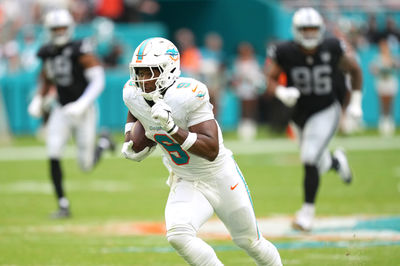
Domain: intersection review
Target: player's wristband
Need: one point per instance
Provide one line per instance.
(128, 127)
(173, 130)
(189, 141)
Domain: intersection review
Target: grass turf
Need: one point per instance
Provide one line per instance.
(122, 191)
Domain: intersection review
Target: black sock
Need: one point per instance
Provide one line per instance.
(311, 182)
(56, 177)
(335, 163)
(104, 143)
(97, 154)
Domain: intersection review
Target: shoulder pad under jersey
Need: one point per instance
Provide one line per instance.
(277, 51)
(129, 90)
(44, 51)
(335, 45)
(188, 93)
(81, 47)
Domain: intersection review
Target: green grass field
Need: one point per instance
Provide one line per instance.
(120, 192)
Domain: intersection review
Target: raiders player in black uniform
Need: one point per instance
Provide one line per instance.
(314, 68)
(79, 79)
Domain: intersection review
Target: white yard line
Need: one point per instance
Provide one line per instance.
(266, 146)
(42, 187)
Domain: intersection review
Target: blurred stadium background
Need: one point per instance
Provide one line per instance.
(117, 27)
(108, 201)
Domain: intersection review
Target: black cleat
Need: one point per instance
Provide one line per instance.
(106, 142)
(344, 169)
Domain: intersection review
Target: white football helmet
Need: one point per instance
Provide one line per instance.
(59, 18)
(308, 18)
(156, 53)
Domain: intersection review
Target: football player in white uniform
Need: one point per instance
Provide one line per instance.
(177, 115)
(79, 79)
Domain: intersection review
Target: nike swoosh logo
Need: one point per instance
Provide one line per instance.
(195, 88)
(232, 188)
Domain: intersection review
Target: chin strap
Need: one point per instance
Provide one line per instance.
(148, 95)
(157, 94)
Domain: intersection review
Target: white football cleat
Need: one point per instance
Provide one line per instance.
(344, 168)
(304, 218)
(386, 127)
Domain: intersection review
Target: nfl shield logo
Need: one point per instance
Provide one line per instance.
(325, 57)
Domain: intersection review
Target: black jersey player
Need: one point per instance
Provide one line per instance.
(78, 76)
(314, 66)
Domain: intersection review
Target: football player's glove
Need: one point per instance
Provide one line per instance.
(162, 113)
(135, 156)
(74, 109)
(354, 109)
(287, 95)
(35, 108)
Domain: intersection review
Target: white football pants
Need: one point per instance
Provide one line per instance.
(59, 129)
(316, 135)
(192, 203)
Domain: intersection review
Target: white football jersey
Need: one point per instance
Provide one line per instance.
(190, 104)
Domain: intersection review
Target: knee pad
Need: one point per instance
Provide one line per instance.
(325, 163)
(178, 242)
(85, 162)
(192, 249)
(179, 236)
(244, 242)
(85, 166)
(261, 250)
(309, 156)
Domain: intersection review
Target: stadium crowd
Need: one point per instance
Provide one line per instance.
(204, 59)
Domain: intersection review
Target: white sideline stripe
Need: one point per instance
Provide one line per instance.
(324, 228)
(41, 187)
(332, 228)
(238, 147)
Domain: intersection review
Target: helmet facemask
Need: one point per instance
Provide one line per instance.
(309, 37)
(308, 28)
(156, 54)
(153, 73)
(60, 35)
(60, 26)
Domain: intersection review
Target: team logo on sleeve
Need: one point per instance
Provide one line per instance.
(200, 94)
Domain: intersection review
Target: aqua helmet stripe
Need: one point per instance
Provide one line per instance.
(141, 50)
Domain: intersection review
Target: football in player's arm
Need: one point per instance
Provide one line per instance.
(78, 76)
(312, 64)
(176, 114)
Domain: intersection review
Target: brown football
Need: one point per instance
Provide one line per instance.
(139, 139)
